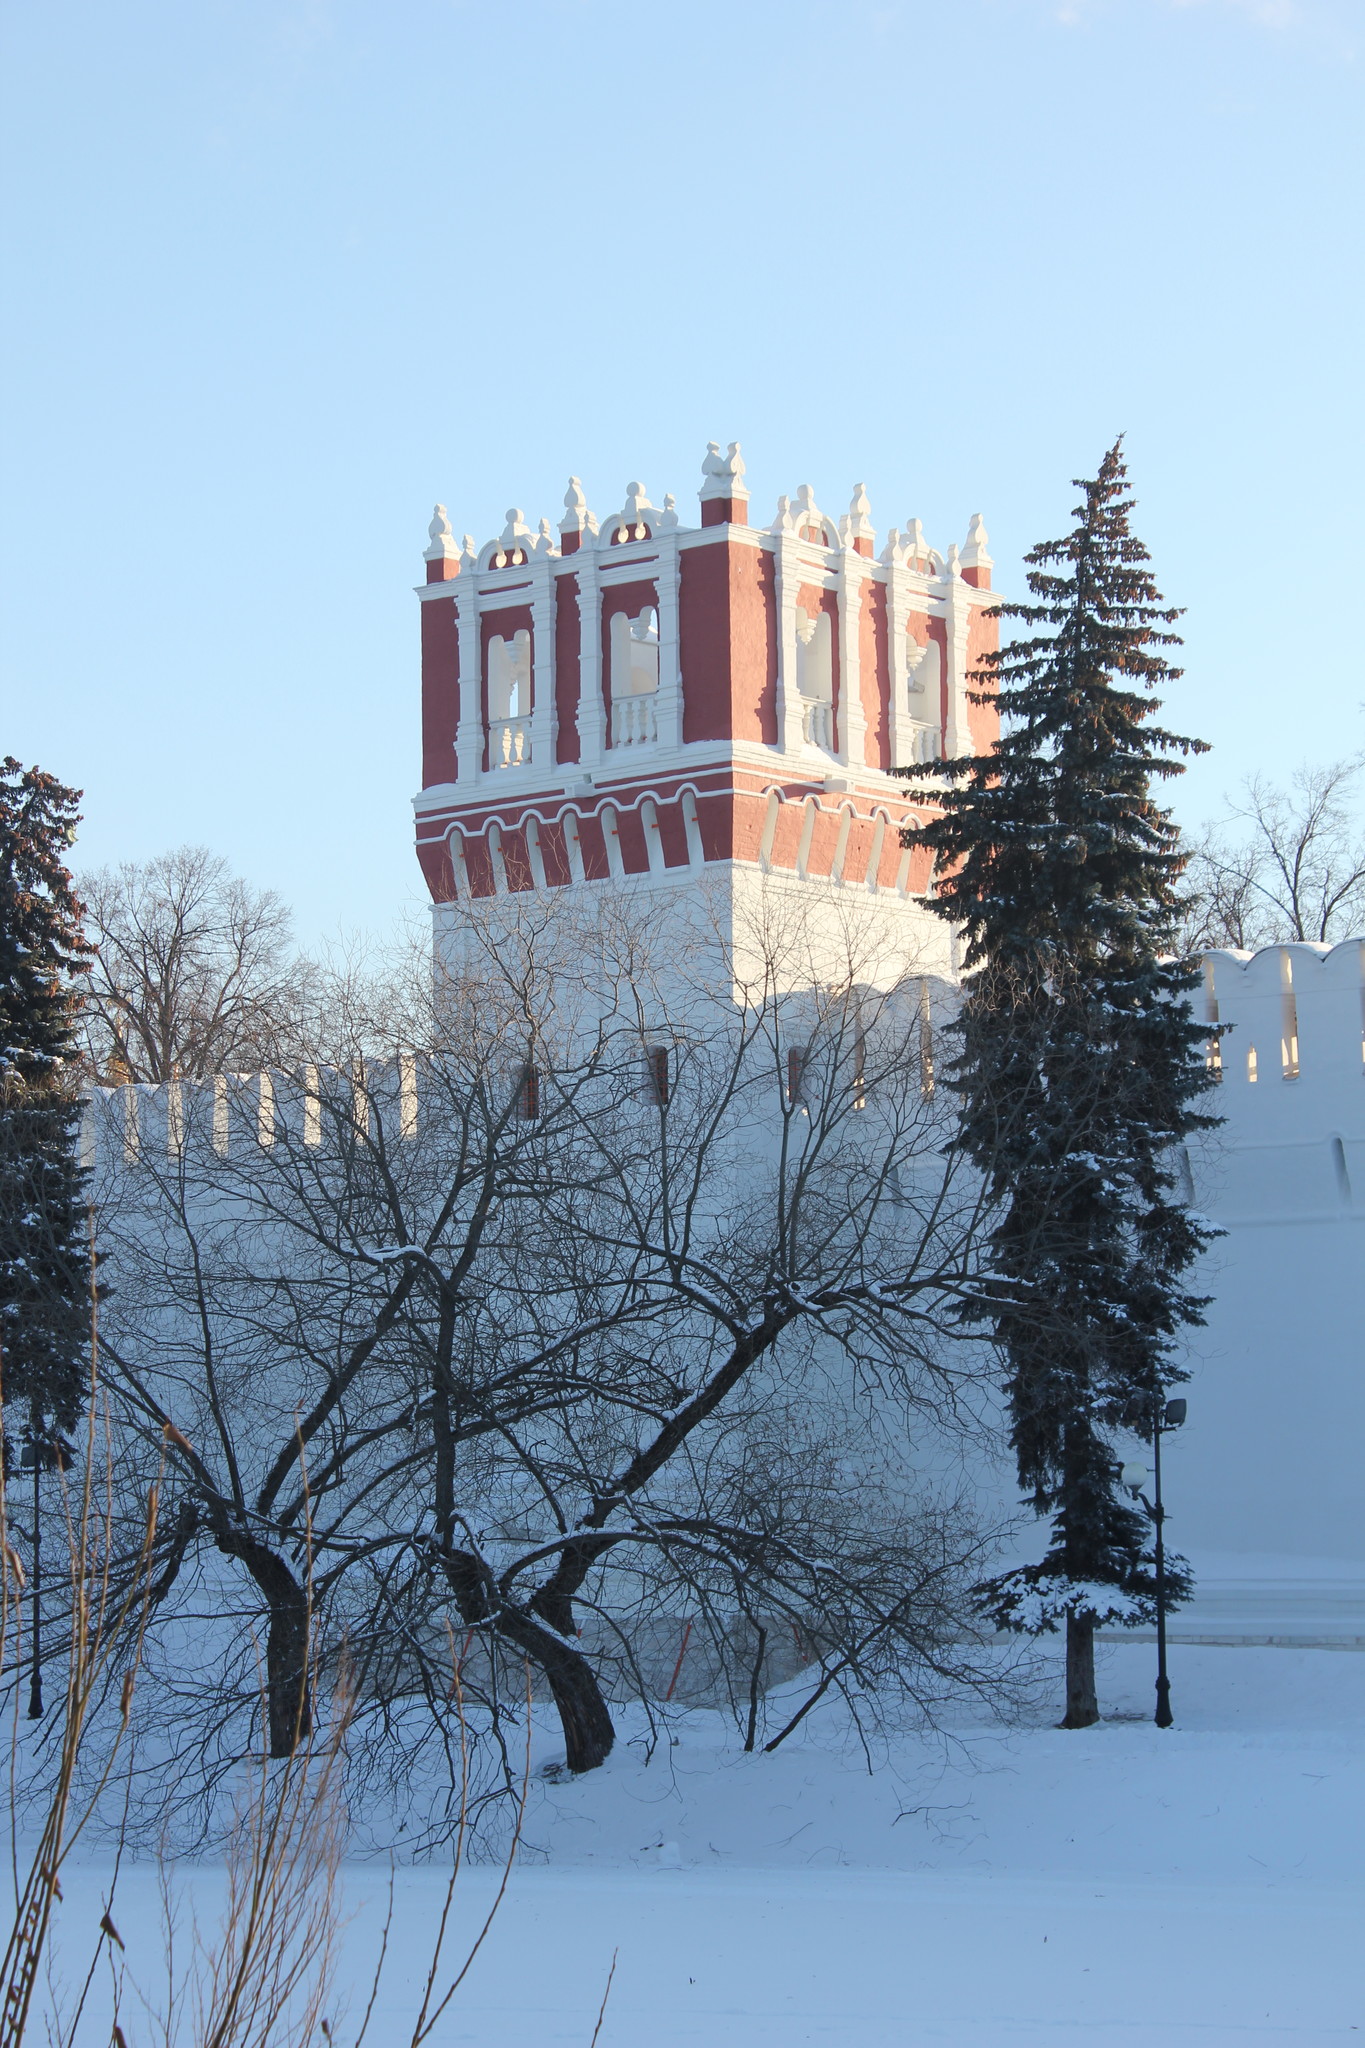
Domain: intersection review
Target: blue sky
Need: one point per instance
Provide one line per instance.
(279, 275)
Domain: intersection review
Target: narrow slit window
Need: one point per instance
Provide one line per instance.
(528, 1095)
(926, 1042)
(132, 1137)
(1289, 1039)
(860, 1068)
(796, 1076)
(656, 1075)
(312, 1108)
(265, 1112)
(175, 1119)
(1251, 1063)
(407, 1096)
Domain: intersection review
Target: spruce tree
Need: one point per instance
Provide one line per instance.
(44, 1243)
(1079, 1064)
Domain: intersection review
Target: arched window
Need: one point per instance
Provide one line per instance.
(815, 677)
(509, 701)
(509, 677)
(634, 678)
(925, 700)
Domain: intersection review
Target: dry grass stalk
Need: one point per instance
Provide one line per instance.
(107, 1625)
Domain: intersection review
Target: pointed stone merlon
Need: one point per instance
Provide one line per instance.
(442, 556)
(855, 528)
(976, 563)
(578, 522)
(724, 494)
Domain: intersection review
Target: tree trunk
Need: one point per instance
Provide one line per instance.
(1082, 1707)
(583, 1713)
(288, 1690)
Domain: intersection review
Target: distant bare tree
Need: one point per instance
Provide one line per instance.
(195, 972)
(1295, 871)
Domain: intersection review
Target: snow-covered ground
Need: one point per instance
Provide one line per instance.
(1121, 1888)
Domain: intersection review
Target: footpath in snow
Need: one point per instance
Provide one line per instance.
(1121, 1888)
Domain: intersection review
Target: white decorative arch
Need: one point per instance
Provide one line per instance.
(802, 517)
(516, 544)
(637, 519)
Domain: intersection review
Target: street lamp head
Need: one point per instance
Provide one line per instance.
(1175, 1413)
(1133, 1478)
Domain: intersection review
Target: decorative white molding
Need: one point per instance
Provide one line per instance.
(469, 732)
(670, 707)
(788, 582)
(957, 610)
(852, 721)
(543, 710)
(591, 719)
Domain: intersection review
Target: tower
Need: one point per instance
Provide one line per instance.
(636, 698)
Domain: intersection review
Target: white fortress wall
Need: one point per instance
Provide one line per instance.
(1266, 1481)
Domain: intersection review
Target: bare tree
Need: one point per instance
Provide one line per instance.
(617, 1299)
(1294, 871)
(194, 973)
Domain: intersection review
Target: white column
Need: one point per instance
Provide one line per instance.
(591, 723)
(957, 612)
(542, 666)
(670, 705)
(852, 723)
(788, 584)
(469, 733)
(897, 625)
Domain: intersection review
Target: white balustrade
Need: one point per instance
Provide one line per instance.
(634, 720)
(817, 725)
(924, 741)
(509, 742)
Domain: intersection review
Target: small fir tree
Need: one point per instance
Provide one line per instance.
(1080, 1062)
(45, 1272)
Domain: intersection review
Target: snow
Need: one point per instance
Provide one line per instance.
(1121, 1887)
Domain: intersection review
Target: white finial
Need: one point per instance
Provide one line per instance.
(516, 528)
(722, 475)
(856, 523)
(784, 522)
(954, 565)
(975, 555)
(442, 537)
(637, 502)
(545, 539)
(668, 518)
(577, 518)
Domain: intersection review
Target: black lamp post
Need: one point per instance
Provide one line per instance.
(1165, 1415)
(41, 1453)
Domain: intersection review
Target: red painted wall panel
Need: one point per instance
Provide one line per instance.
(566, 668)
(440, 690)
(704, 642)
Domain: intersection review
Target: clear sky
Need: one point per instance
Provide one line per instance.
(279, 273)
